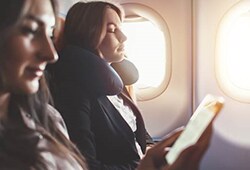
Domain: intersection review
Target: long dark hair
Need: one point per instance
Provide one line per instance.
(18, 143)
(84, 23)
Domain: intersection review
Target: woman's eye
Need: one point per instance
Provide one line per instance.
(111, 30)
(52, 35)
(29, 31)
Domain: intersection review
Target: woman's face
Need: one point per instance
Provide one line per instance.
(29, 48)
(112, 38)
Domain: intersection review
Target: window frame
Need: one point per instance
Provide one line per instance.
(136, 10)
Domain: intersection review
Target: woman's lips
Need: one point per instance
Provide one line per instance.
(121, 48)
(36, 72)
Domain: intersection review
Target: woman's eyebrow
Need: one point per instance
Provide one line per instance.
(34, 18)
(38, 20)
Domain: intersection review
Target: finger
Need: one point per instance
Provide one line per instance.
(185, 160)
(207, 134)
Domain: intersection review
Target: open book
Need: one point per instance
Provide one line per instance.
(204, 114)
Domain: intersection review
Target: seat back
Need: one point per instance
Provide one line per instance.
(58, 34)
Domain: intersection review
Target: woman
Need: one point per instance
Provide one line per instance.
(32, 134)
(101, 118)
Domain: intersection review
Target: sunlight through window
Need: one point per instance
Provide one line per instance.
(233, 52)
(239, 52)
(145, 47)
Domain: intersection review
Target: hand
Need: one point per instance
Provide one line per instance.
(155, 156)
(189, 159)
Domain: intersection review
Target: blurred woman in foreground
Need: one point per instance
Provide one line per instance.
(32, 133)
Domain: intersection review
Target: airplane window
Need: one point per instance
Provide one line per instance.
(145, 48)
(148, 47)
(233, 52)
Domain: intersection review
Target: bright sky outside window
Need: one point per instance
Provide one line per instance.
(239, 52)
(233, 52)
(145, 47)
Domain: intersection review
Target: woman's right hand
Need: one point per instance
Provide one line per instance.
(155, 156)
(190, 158)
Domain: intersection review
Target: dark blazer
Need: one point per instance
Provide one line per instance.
(93, 123)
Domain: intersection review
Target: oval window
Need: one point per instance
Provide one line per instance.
(148, 47)
(233, 52)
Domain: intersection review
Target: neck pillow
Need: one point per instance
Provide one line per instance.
(127, 71)
(85, 72)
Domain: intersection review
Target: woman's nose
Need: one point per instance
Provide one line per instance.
(122, 37)
(48, 52)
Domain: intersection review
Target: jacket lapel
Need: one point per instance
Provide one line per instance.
(140, 133)
(117, 120)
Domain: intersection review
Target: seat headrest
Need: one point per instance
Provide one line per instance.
(58, 38)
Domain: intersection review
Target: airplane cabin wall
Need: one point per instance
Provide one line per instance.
(230, 145)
